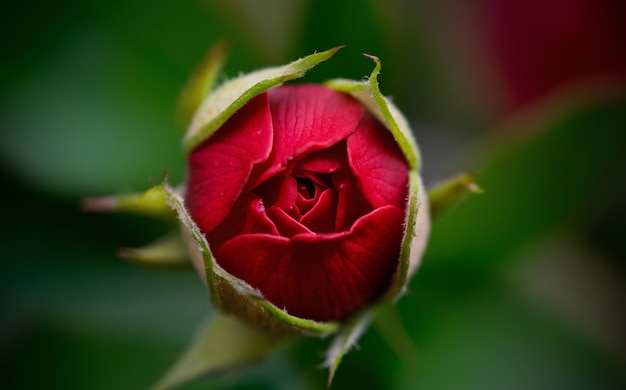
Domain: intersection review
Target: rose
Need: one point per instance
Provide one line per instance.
(301, 194)
(305, 196)
(303, 207)
(303, 210)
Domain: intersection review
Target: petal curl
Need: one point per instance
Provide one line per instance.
(306, 118)
(220, 167)
(325, 161)
(323, 276)
(248, 215)
(321, 217)
(351, 205)
(285, 223)
(378, 164)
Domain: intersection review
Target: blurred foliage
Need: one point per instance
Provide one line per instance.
(522, 287)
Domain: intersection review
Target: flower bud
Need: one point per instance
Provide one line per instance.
(303, 206)
(303, 210)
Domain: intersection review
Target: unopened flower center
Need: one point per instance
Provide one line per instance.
(306, 187)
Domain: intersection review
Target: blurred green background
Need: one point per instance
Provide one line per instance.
(523, 287)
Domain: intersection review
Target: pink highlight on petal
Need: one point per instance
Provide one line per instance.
(378, 164)
(220, 167)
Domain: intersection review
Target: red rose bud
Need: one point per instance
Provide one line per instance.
(301, 194)
(308, 197)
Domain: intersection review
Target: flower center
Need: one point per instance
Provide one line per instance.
(306, 187)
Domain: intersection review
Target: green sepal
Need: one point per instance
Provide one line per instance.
(200, 83)
(223, 286)
(417, 220)
(176, 203)
(368, 93)
(168, 251)
(387, 319)
(405, 268)
(345, 339)
(450, 192)
(220, 105)
(222, 343)
(150, 203)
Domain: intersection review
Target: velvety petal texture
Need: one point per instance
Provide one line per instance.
(219, 169)
(302, 194)
(320, 276)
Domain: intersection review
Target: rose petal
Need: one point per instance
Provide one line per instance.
(318, 184)
(306, 118)
(247, 216)
(322, 276)
(325, 161)
(377, 163)
(351, 205)
(285, 223)
(220, 167)
(280, 191)
(321, 217)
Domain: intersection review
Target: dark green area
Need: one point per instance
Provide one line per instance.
(522, 287)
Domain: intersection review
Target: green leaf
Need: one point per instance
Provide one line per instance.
(220, 344)
(233, 94)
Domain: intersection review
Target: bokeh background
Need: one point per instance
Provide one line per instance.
(522, 287)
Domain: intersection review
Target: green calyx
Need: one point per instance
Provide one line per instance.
(417, 221)
(224, 101)
(368, 93)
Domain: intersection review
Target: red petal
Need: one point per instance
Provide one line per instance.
(286, 224)
(323, 276)
(321, 217)
(306, 118)
(247, 216)
(351, 205)
(325, 161)
(220, 167)
(378, 164)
